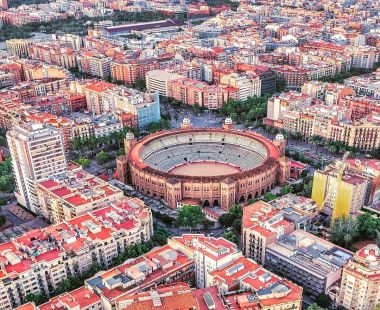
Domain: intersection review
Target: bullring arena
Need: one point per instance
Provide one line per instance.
(215, 166)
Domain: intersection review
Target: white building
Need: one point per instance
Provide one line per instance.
(37, 153)
(209, 254)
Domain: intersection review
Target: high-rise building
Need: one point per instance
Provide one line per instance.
(359, 289)
(37, 153)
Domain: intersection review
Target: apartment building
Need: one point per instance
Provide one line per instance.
(162, 265)
(370, 169)
(314, 120)
(265, 290)
(37, 153)
(363, 134)
(359, 288)
(145, 105)
(95, 64)
(262, 224)
(171, 296)
(248, 86)
(72, 193)
(159, 80)
(208, 253)
(130, 71)
(365, 85)
(310, 261)
(347, 194)
(193, 92)
(18, 47)
(39, 260)
(55, 53)
(288, 101)
(103, 97)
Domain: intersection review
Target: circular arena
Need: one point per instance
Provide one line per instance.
(216, 167)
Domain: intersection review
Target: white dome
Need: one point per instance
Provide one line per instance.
(280, 137)
(228, 121)
(129, 136)
(186, 121)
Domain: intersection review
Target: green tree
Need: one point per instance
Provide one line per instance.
(7, 183)
(286, 190)
(230, 236)
(157, 126)
(315, 307)
(94, 269)
(38, 299)
(269, 197)
(343, 231)
(84, 162)
(102, 157)
(207, 224)
(323, 300)
(368, 226)
(2, 220)
(140, 84)
(160, 236)
(190, 216)
(69, 284)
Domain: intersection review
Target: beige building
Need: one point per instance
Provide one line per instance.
(360, 285)
(160, 80)
(37, 153)
(38, 261)
(208, 253)
(248, 86)
(74, 192)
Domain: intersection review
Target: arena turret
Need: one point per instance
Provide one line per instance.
(186, 123)
(284, 172)
(228, 123)
(129, 141)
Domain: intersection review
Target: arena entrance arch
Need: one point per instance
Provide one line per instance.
(206, 203)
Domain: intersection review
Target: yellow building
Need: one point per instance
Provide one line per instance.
(348, 195)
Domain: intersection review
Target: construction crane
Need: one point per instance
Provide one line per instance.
(333, 192)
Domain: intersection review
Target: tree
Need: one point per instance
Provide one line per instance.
(315, 307)
(343, 231)
(269, 197)
(3, 220)
(190, 216)
(323, 300)
(7, 183)
(140, 84)
(286, 190)
(207, 224)
(230, 236)
(236, 226)
(102, 157)
(94, 269)
(69, 284)
(280, 85)
(368, 226)
(226, 219)
(160, 236)
(157, 126)
(38, 299)
(84, 162)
